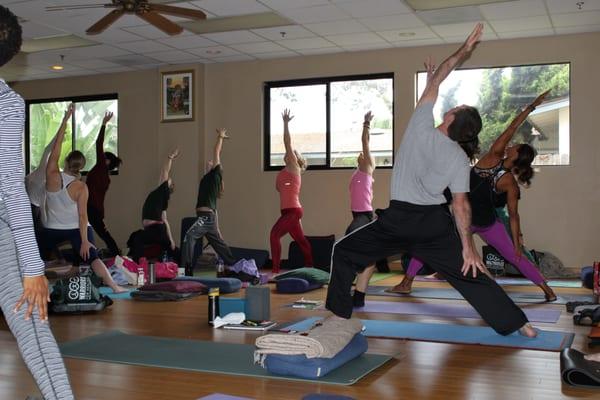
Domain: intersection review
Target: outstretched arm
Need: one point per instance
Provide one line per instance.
(82, 201)
(168, 227)
(365, 139)
(100, 139)
(221, 135)
(503, 140)
(449, 64)
(53, 181)
(166, 169)
(287, 139)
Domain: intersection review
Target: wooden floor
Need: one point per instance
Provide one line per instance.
(420, 370)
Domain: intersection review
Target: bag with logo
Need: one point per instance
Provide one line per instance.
(77, 295)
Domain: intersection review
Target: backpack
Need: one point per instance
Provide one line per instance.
(77, 295)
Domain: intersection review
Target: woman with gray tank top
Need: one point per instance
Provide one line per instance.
(64, 214)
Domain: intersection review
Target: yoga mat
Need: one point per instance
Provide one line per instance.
(451, 294)
(447, 333)
(379, 276)
(448, 310)
(108, 292)
(200, 356)
(577, 371)
(220, 396)
(516, 282)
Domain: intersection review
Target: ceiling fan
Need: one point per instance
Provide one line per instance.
(147, 11)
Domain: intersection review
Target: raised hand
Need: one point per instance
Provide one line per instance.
(69, 112)
(287, 116)
(540, 99)
(174, 154)
(107, 117)
(222, 133)
(368, 118)
(473, 38)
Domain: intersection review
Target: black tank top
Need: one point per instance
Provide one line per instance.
(483, 196)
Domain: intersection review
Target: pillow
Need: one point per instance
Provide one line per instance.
(225, 285)
(151, 295)
(313, 368)
(175, 287)
(296, 285)
(587, 277)
(312, 275)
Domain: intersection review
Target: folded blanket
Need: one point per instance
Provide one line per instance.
(324, 339)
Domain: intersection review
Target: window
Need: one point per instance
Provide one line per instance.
(44, 118)
(328, 119)
(501, 92)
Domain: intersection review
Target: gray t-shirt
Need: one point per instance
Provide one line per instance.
(428, 162)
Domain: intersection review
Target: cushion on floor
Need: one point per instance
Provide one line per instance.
(225, 285)
(296, 285)
(313, 368)
(176, 287)
(312, 275)
(151, 295)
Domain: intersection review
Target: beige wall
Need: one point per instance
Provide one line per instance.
(558, 214)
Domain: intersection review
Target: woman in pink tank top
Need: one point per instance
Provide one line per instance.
(361, 205)
(288, 185)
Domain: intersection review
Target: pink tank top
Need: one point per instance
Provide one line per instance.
(361, 191)
(288, 186)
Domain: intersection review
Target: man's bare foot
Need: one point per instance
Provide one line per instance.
(528, 330)
(592, 357)
(404, 287)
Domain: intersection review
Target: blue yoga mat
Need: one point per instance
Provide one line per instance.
(108, 292)
(452, 294)
(447, 333)
(220, 396)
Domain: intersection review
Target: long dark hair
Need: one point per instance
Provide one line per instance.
(114, 162)
(522, 165)
(465, 130)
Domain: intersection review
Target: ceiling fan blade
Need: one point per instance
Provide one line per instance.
(105, 22)
(178, 11)
(160, 22)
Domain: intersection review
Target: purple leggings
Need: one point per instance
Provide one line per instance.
(496, 236)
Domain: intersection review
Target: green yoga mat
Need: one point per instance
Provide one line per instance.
(200, 356)
(379, 276)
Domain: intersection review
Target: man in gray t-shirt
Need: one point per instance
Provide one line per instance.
(428, 161)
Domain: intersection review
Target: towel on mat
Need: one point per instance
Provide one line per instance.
(325, 339)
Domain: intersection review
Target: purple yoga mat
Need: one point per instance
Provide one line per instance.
(219, 396)
(445, 310)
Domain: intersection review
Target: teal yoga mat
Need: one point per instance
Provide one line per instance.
(108, 292)
(451, 294)
(503, 280)
(448, 333)
(200, 356)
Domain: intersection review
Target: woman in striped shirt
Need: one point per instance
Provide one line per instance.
(23, 286)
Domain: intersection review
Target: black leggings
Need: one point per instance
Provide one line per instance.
(361, 218)
(427, 232)
(155, 234)
(96, 219)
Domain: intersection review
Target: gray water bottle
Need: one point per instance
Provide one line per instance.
(151, 273)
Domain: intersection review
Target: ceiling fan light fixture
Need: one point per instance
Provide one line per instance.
(57, 67)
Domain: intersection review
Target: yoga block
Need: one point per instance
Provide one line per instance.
(258, 303)
(229, 305)
(312, 368)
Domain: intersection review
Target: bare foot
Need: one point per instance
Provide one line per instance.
(435, 276)
(528, 330)
(592, 357)
(404, 287)
(119, 289)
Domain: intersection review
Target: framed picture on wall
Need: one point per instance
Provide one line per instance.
(177, 96)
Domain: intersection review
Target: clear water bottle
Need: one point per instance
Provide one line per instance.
(141, 279)
(220, 266)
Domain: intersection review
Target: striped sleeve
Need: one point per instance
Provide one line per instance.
(12, 181)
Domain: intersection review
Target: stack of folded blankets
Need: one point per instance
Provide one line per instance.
(327, 345)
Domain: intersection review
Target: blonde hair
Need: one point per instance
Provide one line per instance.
(75, 162)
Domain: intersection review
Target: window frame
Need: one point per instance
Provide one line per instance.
(319, 81)
(70, 99)
(569, 63)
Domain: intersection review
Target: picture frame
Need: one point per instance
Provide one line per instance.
(177, 96)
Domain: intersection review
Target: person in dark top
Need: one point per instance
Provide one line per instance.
(157, 230)
(98, 181)
(207, 224)
(494, 183)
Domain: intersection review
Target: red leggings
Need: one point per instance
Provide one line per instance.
(289, 222)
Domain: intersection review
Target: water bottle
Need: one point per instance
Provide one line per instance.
(141, 278)
(152, 272)
(220, 266)
(213, 304)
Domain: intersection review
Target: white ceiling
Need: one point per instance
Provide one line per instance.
(322, 26)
